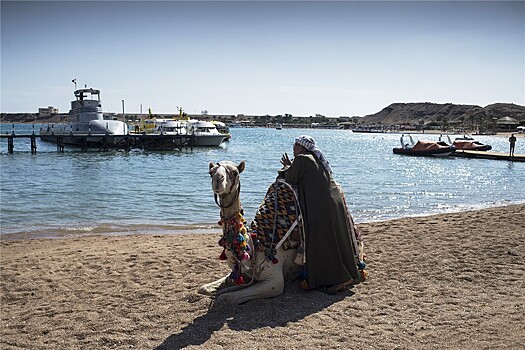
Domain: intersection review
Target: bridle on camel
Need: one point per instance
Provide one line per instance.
(234, 198)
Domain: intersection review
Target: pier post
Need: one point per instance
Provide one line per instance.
(83, 144)
(105, 145)
(33, 143)
(10, 145)
(127, 143)
(60, 144)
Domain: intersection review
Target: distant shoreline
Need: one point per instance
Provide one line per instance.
(291, 126)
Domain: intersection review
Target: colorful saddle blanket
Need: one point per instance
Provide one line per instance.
(276, 215)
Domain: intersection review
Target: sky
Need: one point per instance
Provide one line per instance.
(343, 58)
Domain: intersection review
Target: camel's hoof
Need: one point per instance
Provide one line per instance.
(226, 299)
(206, 291)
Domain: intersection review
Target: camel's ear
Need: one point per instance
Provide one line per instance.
(241, 166)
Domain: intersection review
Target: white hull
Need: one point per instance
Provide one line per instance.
(208, 140)
(72, 132)
(441, 154)
(77, 140)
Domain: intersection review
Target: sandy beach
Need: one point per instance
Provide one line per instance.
(453, 281)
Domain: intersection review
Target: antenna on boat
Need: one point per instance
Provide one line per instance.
(74, 81)
(140, 118)
(182, 114)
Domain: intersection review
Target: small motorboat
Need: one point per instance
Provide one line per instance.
(206, 133)
(423, 148)
(363, 129)
(462, 145)
(468, 144)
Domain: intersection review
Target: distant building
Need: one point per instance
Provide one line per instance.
(507, 123)
(47, 111)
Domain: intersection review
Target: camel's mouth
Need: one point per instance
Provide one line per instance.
(218, 187)
(218, 193)
(222, 192)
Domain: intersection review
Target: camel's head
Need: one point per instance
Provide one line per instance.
(225, 176)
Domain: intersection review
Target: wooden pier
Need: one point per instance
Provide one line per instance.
(489, 155)
(105, 142)
(11, 141)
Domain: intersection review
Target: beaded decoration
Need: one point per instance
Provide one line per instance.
(235, 239)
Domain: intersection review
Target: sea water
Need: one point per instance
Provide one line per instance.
(52, 194)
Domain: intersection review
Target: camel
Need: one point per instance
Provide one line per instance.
(261, 266)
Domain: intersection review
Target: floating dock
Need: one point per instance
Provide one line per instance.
(105, 142)
(489, 155)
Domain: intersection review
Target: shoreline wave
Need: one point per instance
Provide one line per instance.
(201, 228)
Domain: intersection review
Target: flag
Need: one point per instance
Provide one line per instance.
(74, 81)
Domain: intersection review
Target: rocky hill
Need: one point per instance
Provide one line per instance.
(395, 114)
(426, 112)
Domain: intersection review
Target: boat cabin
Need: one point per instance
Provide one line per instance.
(86, 106)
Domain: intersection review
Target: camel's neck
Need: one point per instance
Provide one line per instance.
(232, 204)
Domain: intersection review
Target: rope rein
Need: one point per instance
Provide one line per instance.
(218, 202)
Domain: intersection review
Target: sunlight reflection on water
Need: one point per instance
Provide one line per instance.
(170, 191)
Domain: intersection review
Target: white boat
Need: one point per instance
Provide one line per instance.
(222, 128)
(206, 134)
(85, 119)
(170, 127)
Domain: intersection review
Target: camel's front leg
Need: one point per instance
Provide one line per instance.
(214, 287)
(271, 284)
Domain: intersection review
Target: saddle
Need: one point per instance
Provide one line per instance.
(278, 221)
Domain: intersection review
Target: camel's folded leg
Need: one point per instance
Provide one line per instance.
(214, 287)
(230, 289)
(263, 289)
(271, 286)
